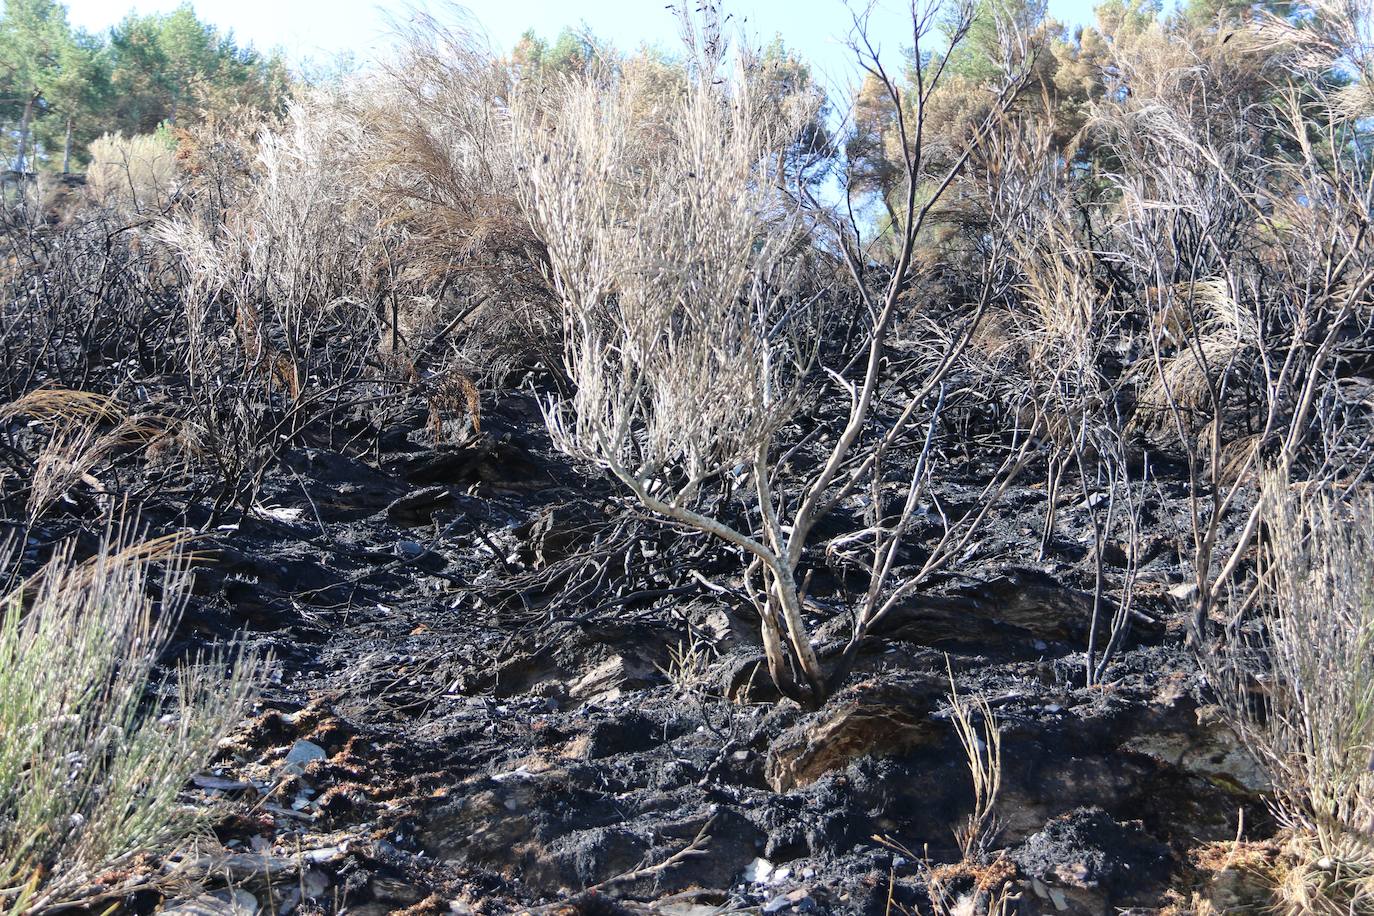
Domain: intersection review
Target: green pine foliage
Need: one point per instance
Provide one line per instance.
(61, 88)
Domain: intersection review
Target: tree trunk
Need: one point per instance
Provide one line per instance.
(67, 148)
(24, 124)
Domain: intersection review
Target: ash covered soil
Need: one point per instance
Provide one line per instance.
(498, 686)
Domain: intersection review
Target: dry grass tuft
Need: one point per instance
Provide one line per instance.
(1200, 334)
(86, 429)
(983, 750)
(689, 664)
(63, 405)
(1325, 878)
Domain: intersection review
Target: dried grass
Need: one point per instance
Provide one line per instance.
(86, 428)
(64, 405)
(982, 744)
(689, 665)
(1203, 335)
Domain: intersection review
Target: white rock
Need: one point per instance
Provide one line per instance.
(758, 871)
(1183, 591)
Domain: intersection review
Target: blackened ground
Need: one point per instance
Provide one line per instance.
(472, 711)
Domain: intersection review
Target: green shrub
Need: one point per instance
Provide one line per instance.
(91, 758)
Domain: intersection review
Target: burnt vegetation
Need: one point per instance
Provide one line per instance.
(577, 481)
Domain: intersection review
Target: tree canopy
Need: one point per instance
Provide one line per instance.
(61, 87)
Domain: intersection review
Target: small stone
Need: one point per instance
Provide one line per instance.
(302, 753)
(409, 550)
(758, 871)
(219, 783)
(220, 903)
(326, 854)
(1094, 500)
(418, 506)
(777, 904)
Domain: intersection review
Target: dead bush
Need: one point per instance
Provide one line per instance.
(1298, 686)
(133, 174)
(691, 333)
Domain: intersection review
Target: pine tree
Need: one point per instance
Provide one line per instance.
(80, 96)
(34, 38)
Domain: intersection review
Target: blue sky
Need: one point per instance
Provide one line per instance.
(323, 29)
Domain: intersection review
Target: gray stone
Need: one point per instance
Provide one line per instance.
(219, 903)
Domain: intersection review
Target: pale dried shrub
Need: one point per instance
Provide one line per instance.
(135, 174)
(470, 293)
(1298, 687)
(91, 765)
(686, 324)
(1065, 326)
(299, 254)
(679, 293)
(680, 255)
(1047, 357)
(1329, 35)
(282, 293)
(1243, 237)
(378, 245)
